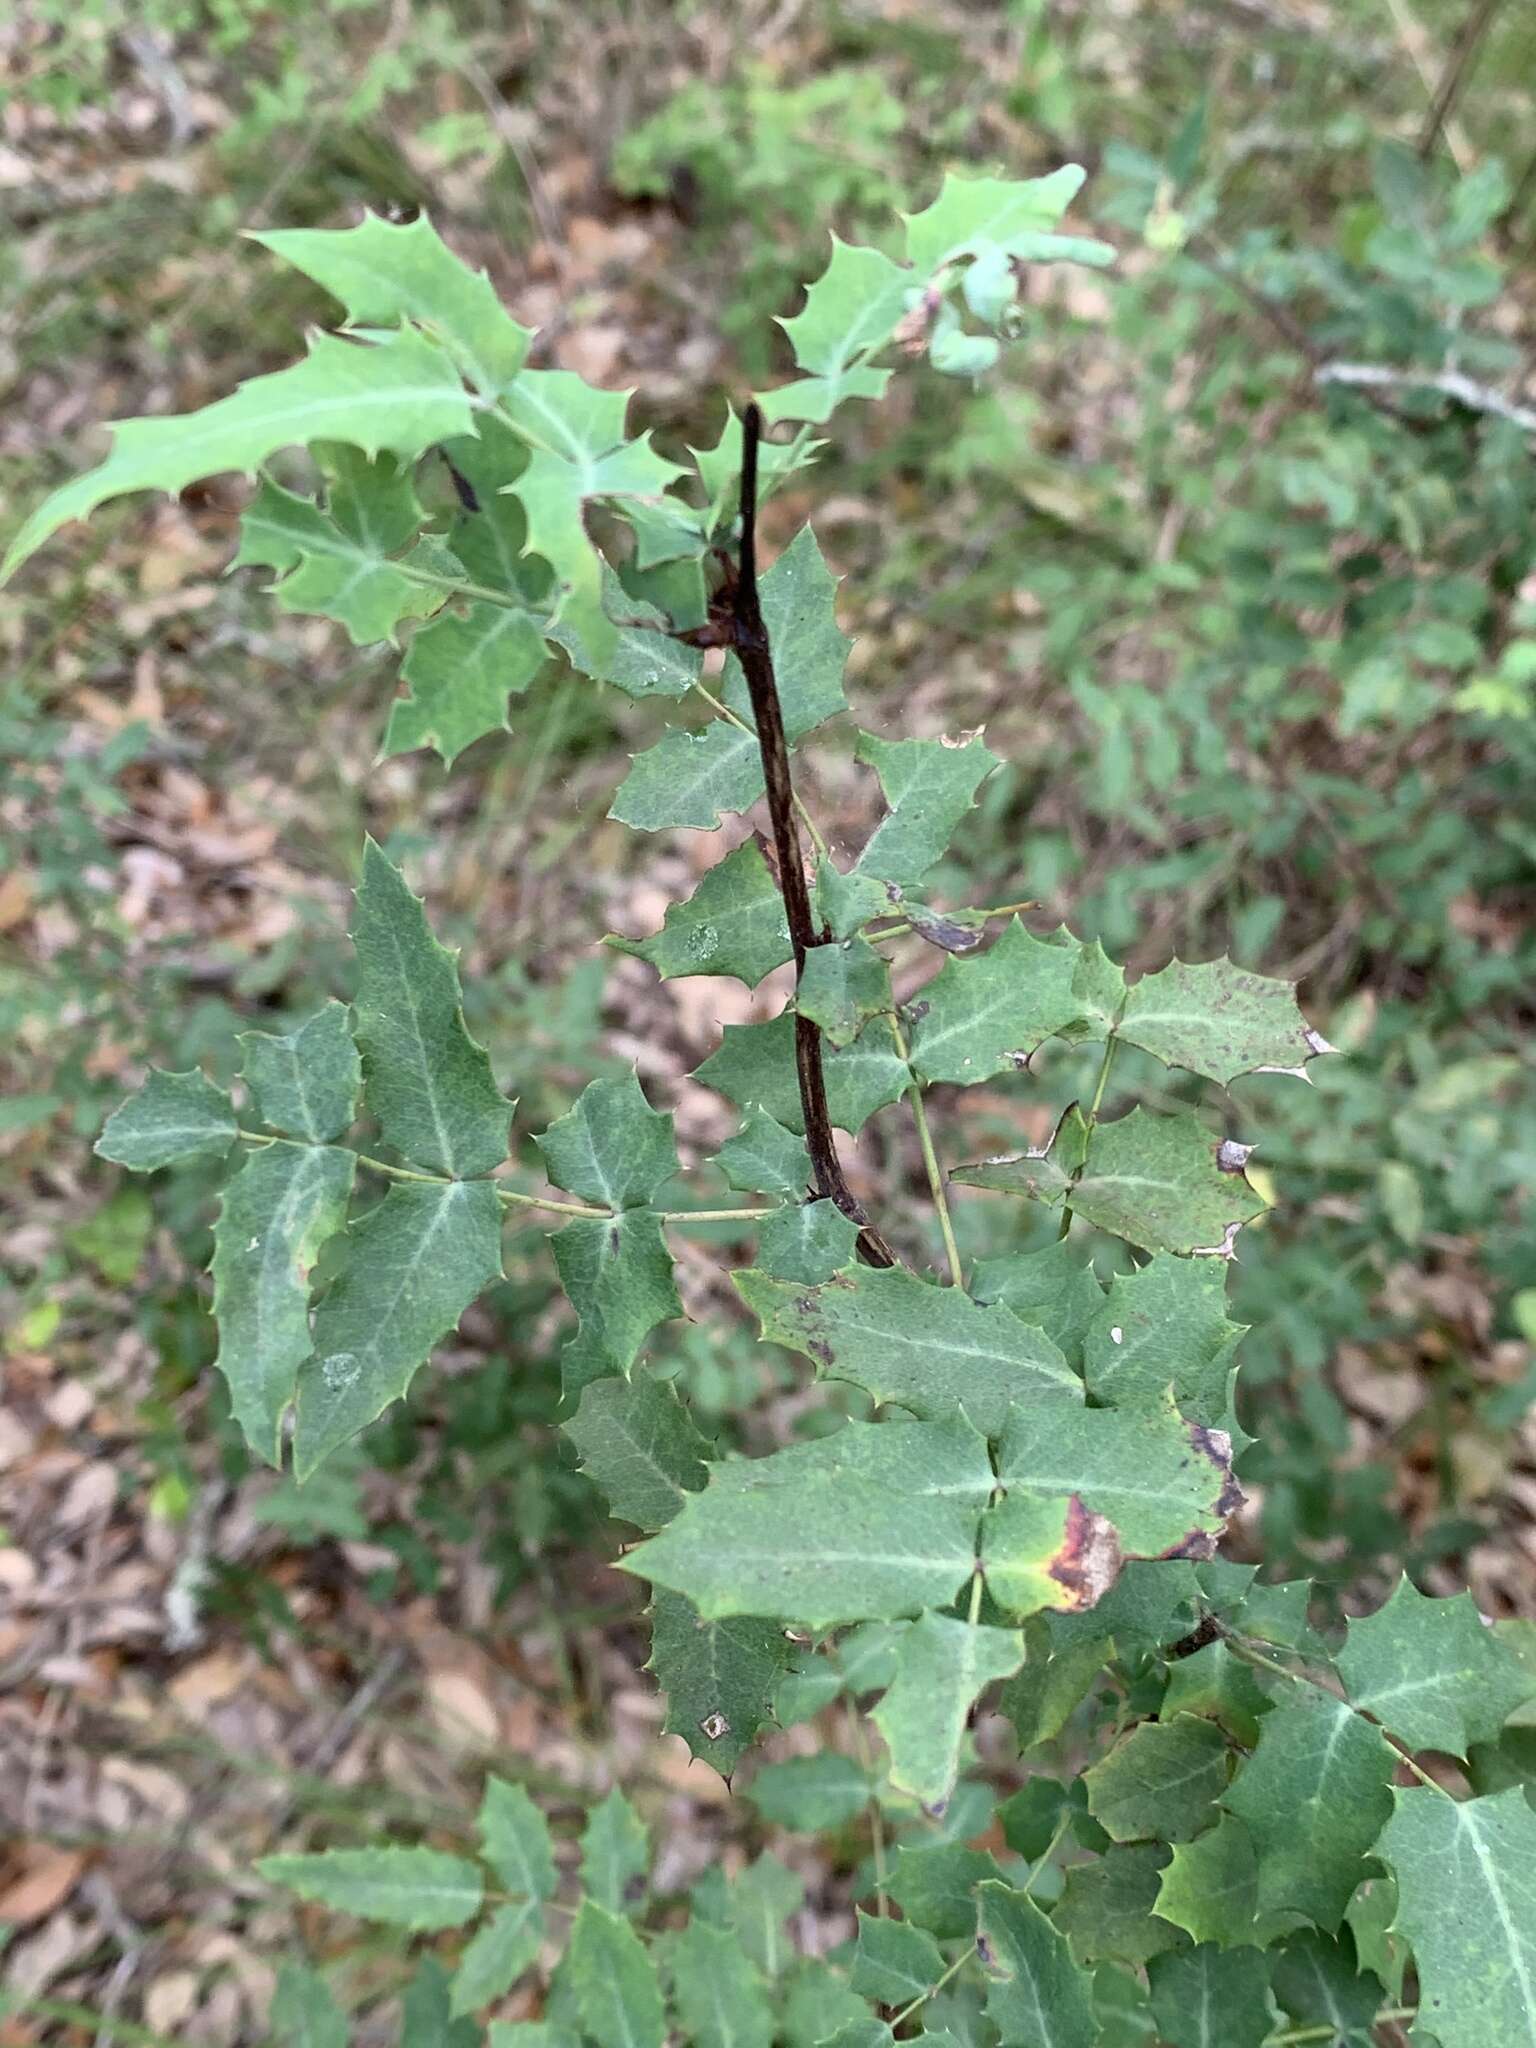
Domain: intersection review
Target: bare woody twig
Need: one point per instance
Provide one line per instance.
(750, 641)
(1450, 384)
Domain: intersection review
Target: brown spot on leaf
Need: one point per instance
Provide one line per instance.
(1088, 1562)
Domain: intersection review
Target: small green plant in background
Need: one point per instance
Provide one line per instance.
(1015, 1487)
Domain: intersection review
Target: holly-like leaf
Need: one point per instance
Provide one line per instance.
(850, 313)
(689, 779)
(617, 1273)
(304, 2013)
(1220, 1021)
(974, 216)
(1318, 1978)
(305, 1083)
(514, 1840)
(754, 1065)
(1165, 1325)
(611, 1146)
(929, 785)
(411, 1267)
(1055, 1289)
(614, 1981)
(615, 1854)
(273, 1218)
(846, 902)
(1211, 1997)
(400, 393)
(812, 1793)
(1466, 1883)
(638, 1444)
(942, 1667)
(173, 1116)
(760, 1901)
(1164, 1183)
(422, 1889)
(1211, 1887)
(806, 1242)
(1106, 1907)
(721, 2000)
(1037, 1996)
(842, 986)
(1314, 1797)
(1217, 1684)
(719, 1677)
(578, 454)
(1433, 1672)
(501, 1949)
(733, 923)
(1052, 1685)
(765, 1159)
(1160, 1782)
(874, 1522)
(921, 1347)
(894, 1962)
(426, 2011)
(987, 1012)
(387, 271)
(935, 1886)
(461, 669)
(1160, 1482)
(425, 1079)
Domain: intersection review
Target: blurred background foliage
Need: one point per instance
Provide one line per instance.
(1235, 559)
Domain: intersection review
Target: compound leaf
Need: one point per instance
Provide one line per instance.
(1466, 1881)
(173, 1116)
(611, 1146)
(1432, 1671)
(1218, 1020)
(305, 1083)
(733, 923)
(1160, 1782)
(425, 1079)
(637, 1443)
(942, 1667)
(874, 1522)
(1037, 1996)
(614, 1981)
(719, 1677)
(273, 1218)
(929, 785)
(422, 1889)
(411, 1267)
(923, 1347)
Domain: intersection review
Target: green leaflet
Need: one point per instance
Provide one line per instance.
(1052, 1685)
(754, 1065)
(733, 923)
(637, 1443)
(425, 1079)
(274, 1216)
(1106, 1907)
(1037, 1996)
(615, 1854)
(1165, 1325)
(1054, 1289)
(501, 1949)
(614, 1981)
(929, 786)
(401, 393)
(1212, 1998)
(874, 1522)
(1160, 1782)
(720, 1998)
(972, 216)
(1466, 1880)
(688, 779)
(304, 2014)
(806, 1242)
(617, 1273)
(514, 1840)
(990, 1011)
(1219, 1685)
(305, 1083)
(1211, 1887)
(894, 1961)
(611, 1146)
(765, 1159)
(922, 1347)
(811, 1794)
(1314, 1797)
(719, 1677)
(339, 563)
(942, 1668)
(842, 986)
(935, 1887)
(1219, 1021)
(385, 271)
(1318, 1979)
(412, 1266)
(1432, 1671)
(461, 670)
(1160, 1481)
(426, 2011)
(578, 453)
(489, 535)
(1157, 1181)
(850, 312)
(421, 1889)
(173, 1116)
(845, 902)
(761, 1900)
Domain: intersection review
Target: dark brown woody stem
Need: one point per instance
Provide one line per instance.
(750, 640)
